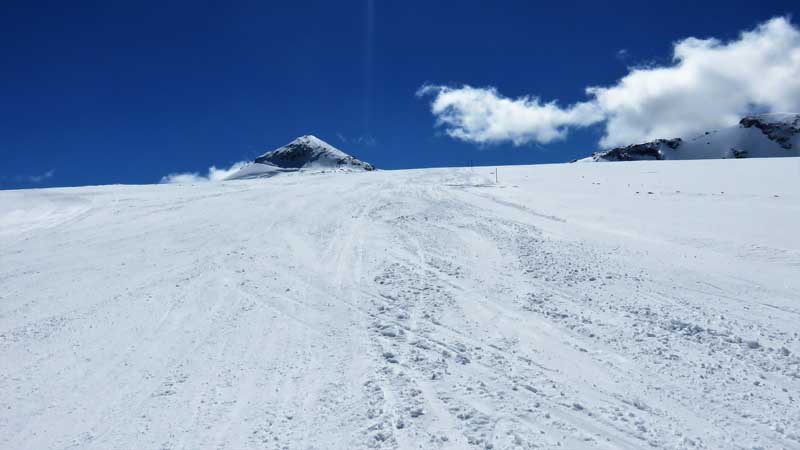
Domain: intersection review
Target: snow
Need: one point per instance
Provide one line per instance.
(316, 151)
(305, 154)
(637, 305)
(778, 117)
(759, 136)
(256, 170)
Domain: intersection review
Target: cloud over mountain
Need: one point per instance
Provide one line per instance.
(708, 84)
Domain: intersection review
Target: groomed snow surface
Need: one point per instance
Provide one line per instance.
(630, 305)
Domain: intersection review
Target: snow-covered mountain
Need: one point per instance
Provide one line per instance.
(648, 305)
(759, 136)
(304, 153)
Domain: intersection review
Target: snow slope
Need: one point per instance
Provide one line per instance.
(640, 305)
(759, 136)
(306, 153)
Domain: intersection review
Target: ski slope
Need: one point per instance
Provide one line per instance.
(608, 306)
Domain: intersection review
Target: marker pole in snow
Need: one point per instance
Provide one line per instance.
(495, 175)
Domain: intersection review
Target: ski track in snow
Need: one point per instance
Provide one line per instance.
(633, 305)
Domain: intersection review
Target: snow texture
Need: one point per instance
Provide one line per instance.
(575, 306)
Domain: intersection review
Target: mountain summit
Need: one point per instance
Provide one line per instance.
(304, 153)
(311, 152)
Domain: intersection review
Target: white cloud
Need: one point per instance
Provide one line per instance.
(213, 174)
(41, 177)
(709, 84)
(483, 115)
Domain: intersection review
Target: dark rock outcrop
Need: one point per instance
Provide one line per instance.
(780, 131)
(637, 152)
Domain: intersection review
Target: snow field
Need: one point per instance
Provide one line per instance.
(630, 305)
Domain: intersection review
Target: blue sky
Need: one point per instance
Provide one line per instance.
(126, 92)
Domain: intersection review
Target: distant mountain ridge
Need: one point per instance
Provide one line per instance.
(756, 136)
(304, 153)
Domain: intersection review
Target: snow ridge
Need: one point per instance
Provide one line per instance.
(778, 127)
(756, 136)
